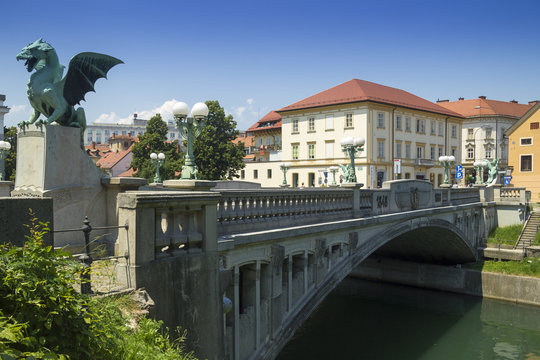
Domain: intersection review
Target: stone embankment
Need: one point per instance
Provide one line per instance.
(518, 289)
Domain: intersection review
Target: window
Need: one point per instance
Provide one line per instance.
(440, 129)
(255, 174)
(98, 140)
(470, 153)
(89, 138)
(132, 134)
(407, 151)
(470, 134)
(124, 132)
(269, 173)
(260, 141)
(433, 129)
(398, 150)
(89, 132)
(526, 163)
(311, 124)
(398, 122)
(115, 132)
(488, 153)
(454, 151)
(407, 124)
(295, 152)
(380, 120)
(525, 141)
(242, 174)
(454, 131)
(295, 125)
(407, 175)
(432, 153)
(488, 133)
(440, 151)
(330, 150)
(329, 122)
(348, 120)
(419, 152)
(535, 125)
(172, 135)
(421, 126)
(311, 151)
(380, 149)
(277, 139)
(268, 140)
(107, 133)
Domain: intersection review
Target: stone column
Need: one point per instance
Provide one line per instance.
(278, 255)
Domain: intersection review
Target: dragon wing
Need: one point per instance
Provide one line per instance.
(83, 71)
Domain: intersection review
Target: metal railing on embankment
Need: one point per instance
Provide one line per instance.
(86, 258)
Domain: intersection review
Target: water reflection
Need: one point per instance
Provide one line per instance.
(365, 320)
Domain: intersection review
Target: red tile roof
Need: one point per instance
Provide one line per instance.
(128, 172)
(360, 90)
(483, 107)
(270, 121)
(98, 150)
(112, 158)
(247, 140)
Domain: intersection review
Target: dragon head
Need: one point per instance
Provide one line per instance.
(33, 53)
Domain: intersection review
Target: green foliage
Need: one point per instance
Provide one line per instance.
(508, 235)
(215, 155)
(43, 317)
(536, 241)
(154, 140)
(10, 135)
(527, 266)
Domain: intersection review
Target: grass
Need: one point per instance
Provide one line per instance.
(536, 241)
(508, 235)
(527, 267)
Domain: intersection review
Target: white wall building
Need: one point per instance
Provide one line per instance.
(101, 132)
(397, 125)
(3, 111)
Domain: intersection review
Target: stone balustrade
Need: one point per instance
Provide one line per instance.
(512, 194)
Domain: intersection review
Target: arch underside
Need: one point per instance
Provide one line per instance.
(430, 244)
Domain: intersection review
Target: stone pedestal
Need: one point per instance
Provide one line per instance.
(445, 186)
(190, 185)
(5, 188)
(51, 163)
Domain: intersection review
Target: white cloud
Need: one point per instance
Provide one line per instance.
(15, 109)
(239, 111)
(164, 109)
(250, 101)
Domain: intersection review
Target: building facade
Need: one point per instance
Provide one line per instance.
(3, 111)
(484, 127)
(395, 124)
(100, 133)
(524, 152)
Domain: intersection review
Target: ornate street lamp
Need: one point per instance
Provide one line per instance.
(190, 128)
(4, 147)
(285, 167)
(480, 165)
(158, 160)
(447, 161)
(333, 170)
(350, 147)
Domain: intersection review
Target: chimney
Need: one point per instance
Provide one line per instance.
(533, 102)
(482, 97)
(441, 101)
(93, 145)
(135, 115)
(513, 101)
(461, 98)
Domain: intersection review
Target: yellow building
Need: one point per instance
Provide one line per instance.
(396, 125)
(524, 152)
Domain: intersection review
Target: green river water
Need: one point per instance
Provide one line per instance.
(369, 320)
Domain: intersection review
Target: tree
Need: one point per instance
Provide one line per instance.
(10, 135)
(215, 155)
(154, 140)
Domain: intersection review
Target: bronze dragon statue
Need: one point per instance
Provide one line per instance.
(54, 96)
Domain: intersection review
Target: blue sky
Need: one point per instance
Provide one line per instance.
(256, 56)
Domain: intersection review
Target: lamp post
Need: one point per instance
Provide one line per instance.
(158, 160)
(285, 167)
(333, 170)
(447, 161)
(479, 165)
(350, 147)
(4, 147)
(190, 128)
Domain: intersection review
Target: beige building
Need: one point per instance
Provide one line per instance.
(484, 126)
(524, 152)
(3, 111)
(398, 127)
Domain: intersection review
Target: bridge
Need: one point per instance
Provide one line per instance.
(243, 269)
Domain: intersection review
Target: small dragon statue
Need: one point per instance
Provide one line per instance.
(54, 96)
(493, 170)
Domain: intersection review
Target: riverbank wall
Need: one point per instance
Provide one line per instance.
(512, 288)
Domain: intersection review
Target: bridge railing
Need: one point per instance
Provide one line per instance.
(463, 196)
(246, 210)
(512, 194)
